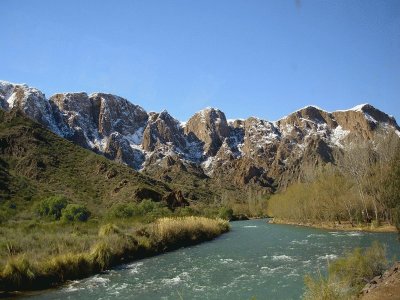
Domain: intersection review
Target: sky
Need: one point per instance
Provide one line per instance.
(248, 58)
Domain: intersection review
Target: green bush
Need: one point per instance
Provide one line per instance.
(348, 275)
(123, 211)
(75, 212)
(147, 206)
(186, 211)
(359, 266)
(225, 213)
(52, 207)
(321, 289)
(147, 210)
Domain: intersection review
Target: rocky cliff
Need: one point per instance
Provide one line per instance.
(235, 154)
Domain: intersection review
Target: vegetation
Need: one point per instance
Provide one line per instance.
(33, 260)
(75, 212)
(37, 165)
(347, 275)
(225, 213)
(52, 207)
(361, 188)
(66, 212)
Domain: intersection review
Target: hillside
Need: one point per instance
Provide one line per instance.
(36, 163)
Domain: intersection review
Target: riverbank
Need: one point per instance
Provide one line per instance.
(383, 287)
(113, 245)
(343, 226)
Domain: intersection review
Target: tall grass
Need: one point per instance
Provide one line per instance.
(193, 228)
(109, 244)
(347, 275)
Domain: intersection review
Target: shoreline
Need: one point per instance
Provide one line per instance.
(344, 226)
(167, 234)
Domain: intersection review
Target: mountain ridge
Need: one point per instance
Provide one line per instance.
(242, 152)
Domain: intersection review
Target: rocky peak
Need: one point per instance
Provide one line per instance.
(163, 129)
(308, 118)
(209, 126)
(74, 115)
(363, 120)
(29, 100)
(116, 114)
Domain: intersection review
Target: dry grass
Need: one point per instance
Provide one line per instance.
(168, 229)
(27, 267)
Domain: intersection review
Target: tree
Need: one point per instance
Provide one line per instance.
(355, 163)
(75, 212)
(52, 207)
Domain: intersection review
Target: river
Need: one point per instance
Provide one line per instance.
(255, 259)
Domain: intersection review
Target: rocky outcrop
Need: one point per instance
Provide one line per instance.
(30, 101)
(251, 153)
(163, 129)
(175, 199)
(383, 287)
(210, 127)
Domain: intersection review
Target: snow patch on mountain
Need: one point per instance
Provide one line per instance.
(337, 136)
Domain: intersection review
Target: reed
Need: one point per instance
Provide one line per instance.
(111, 245)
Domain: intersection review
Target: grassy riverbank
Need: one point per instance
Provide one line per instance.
(50, 254)
(343, 226)
(347, 275)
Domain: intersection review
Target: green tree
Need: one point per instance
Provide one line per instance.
(225, 213)
(75, 212)
(52, 207)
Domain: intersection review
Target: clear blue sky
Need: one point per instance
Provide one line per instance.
(248, 58)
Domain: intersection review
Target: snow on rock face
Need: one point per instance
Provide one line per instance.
(29, 100)
(125, 132)
(338, 135)
(209, 126)
(163, 129)
(6, 90)
(118, 148)
(116, 114)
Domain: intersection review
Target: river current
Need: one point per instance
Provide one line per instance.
(255, 259)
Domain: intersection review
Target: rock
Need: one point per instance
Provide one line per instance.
(162, 129)
(210, 127)
(175, 199)
(239, 217)
(385, 286)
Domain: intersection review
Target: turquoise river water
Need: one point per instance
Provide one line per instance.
(255, 259)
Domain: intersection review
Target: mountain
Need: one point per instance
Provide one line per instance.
(36, 163)
(208, 152)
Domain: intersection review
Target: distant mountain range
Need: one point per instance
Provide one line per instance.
(207, 150)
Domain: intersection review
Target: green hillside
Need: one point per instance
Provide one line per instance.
(35, 163)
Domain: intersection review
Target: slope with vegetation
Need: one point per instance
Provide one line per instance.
(66, 212)
(360, 190)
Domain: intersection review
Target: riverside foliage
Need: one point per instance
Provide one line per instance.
(43, 255)
(347, 275)
(362, 187)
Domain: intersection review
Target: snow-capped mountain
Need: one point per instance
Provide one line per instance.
(243, 152)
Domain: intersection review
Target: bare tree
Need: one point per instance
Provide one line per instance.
(356, 162)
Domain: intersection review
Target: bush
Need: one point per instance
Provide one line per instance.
(348, 275)
(75, 212)
(320, 288)
(225, 213)
(147, 206)
(52, 207)
(123, 211)
(358, 267)
(186, 211)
